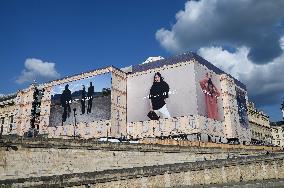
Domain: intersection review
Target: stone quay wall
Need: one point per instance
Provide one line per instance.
(221, 171)
(34, 158)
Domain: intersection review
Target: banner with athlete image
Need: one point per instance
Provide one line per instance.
(242, 108)
(89, 99)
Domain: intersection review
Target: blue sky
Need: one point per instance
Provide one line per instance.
(99, 82)
(79, 35)
(44, 40)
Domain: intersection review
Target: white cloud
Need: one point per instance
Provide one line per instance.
(232, 63)
(166, 38)
(252, 23)
(265, 83)
(244, 38)
(281, 41)
(36, 69)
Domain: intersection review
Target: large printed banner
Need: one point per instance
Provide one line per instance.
(82, 100)
(174, 92)
(242, 108)
(211, 95)
(170, 93)
(208, 92)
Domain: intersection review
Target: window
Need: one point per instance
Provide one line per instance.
(11, 119)
(2, 120)
(118, 100)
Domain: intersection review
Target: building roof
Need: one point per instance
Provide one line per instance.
(277, 124)
(8, 97)
(77, 74)
(183, 58)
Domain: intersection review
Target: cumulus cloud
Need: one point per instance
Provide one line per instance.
(256, 24)
(36, 69)
(244, 38)
(265, 83)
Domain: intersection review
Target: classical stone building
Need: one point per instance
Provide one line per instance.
(15, 111)
(111, 122)
(204, 103)
(260, 125)
(18, 108)
(277, 129)
(186, 102)
(7, 114)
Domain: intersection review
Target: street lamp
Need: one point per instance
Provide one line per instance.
(282, 108)
(74, 109)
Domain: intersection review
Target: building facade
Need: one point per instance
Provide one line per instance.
(203, 103)
(99, 112)
(7, 114)
(187, 102)
(260, 126)
(278, 130)
(278, 133)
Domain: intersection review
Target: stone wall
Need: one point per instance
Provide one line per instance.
(215, 172)
(84, 130)
(118, 103)
(232, 127)
(232, 171)
(231, 147)
(23, 159)
(175, 126)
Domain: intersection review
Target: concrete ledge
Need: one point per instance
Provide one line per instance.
(208, 144)
(125, 146)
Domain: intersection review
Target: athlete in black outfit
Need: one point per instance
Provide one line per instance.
(158, 93)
